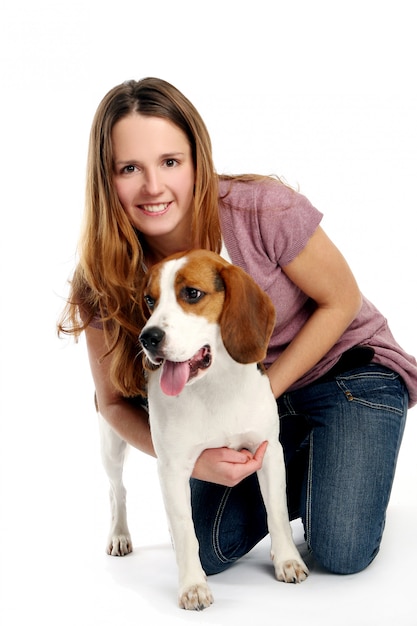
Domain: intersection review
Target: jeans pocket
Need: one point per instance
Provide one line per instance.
(376, 387)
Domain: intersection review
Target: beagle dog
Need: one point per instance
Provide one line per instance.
(208, 329)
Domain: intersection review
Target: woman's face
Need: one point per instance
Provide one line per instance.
(153, 173)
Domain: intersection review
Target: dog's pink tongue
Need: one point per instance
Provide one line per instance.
(174, 377)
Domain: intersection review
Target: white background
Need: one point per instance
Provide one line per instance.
(321, 93)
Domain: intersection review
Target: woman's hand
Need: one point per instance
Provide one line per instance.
(228, 467)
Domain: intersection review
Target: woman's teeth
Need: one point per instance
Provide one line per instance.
(154, 208)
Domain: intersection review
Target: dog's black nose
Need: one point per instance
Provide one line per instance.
(152, 338)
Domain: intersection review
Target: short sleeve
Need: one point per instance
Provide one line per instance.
(287, 220)
(268, 218)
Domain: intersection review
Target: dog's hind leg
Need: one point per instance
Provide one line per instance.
(288, 564)
(113, 451)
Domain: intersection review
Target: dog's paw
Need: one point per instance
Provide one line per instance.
(291, 571)
(119, 545)
(196, 597)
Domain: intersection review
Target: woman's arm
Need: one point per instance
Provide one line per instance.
(130, 422)
(321, 272)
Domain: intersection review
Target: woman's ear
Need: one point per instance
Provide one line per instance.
(248, 316)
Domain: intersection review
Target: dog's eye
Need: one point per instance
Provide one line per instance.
(150, 302)
(191, 294)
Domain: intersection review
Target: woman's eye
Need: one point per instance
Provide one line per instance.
(129, 169)
(171, 162)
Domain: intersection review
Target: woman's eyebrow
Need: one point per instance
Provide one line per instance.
(165, 155)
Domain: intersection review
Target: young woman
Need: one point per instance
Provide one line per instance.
(342, 383)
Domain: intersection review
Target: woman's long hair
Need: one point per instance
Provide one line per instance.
(107, 280)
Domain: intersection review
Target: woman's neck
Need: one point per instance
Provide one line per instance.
(157, 250)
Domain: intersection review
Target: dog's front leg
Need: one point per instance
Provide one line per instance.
(194, 592)
(289, 566)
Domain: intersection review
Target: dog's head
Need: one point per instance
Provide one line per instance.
(194, 300)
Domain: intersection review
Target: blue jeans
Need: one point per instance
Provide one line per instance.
(341, 439)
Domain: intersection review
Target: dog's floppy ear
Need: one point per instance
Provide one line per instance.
(248, 316)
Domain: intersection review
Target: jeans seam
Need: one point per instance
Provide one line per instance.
(389, 375)
(289, 409)
(309, 489)
(216, 527)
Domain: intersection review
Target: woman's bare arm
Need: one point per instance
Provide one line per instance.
(321, 272)
(130, 422)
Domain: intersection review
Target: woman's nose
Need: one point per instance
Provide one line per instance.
(153, 183)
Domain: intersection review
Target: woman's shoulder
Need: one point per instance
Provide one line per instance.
(259, 191)
(267, 212)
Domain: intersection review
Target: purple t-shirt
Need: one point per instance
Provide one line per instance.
(265, 225)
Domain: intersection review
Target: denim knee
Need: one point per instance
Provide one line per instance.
(342, 561)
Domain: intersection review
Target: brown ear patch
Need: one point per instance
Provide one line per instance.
(248, 316)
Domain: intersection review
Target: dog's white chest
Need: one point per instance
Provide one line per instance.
(209, 414)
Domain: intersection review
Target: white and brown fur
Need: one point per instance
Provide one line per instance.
(213, 316)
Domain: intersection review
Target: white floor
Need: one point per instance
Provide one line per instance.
(55, 520)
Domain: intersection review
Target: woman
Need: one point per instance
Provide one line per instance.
(342, 383)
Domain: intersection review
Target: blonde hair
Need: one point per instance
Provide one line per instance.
(107, 280)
